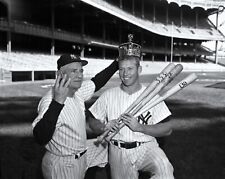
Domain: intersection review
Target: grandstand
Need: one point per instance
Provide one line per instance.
(20, 66)
(34, 33)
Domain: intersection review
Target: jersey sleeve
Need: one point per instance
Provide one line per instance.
(86, 90)
(43, 107)
(160, 112)
(99, 108)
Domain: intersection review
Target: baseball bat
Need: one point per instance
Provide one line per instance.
(164, 73)
(179, 86)
(173, 73)
(176, 88)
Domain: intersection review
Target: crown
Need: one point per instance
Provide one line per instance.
(129, 48)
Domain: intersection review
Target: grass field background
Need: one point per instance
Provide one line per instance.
(196, 148)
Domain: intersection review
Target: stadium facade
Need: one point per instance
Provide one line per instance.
(168, 30)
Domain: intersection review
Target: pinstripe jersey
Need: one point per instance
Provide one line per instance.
(70, 134)
(113, 102)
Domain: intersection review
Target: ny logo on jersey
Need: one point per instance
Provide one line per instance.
(143, 119)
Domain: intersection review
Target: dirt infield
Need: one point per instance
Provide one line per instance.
(196, 148)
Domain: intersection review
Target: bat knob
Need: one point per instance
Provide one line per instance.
(99, 140)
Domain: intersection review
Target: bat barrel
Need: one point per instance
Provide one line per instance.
(163, 74)
(179, 86)
(170, 76)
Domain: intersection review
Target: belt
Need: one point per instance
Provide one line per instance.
(80, 154)
(126, 145)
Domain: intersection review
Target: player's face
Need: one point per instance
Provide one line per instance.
(74, 71)
(129, 72)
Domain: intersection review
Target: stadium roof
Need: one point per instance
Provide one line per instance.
(158, 27)
(205, 4)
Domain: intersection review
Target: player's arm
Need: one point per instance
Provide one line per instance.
(162, 140)
(98, 127)
(103, 77)
(44, 129)
(155, 130)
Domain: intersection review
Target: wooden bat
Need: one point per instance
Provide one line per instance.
(176, 88)
(174, 72)
(164, 73)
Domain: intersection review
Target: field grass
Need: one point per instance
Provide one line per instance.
(196, 148)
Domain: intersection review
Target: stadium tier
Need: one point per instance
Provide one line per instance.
(18, 66)
(168, 30)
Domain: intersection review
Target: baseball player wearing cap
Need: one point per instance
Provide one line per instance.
(60, 124)
(134, 148)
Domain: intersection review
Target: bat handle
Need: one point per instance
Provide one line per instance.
(102, 137)
(111, 135)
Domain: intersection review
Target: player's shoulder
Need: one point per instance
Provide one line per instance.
(86, 84)
(143, 86)
(47, 96)
(86, 90)
(111, 91)
(46, 99)
(49, 93)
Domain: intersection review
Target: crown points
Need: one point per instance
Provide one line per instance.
(130, 37)
(129, 48)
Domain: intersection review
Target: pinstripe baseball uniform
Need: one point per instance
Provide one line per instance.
(125, 163)
(61, 122)
(69, 137)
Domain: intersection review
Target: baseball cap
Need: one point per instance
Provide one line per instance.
(69, 58)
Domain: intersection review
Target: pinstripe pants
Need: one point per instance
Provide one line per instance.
(148, 157)
(58, 167)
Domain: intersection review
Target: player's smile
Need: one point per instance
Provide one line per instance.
(126, 78)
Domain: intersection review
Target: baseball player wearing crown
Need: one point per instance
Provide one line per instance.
(61, 124)
(134, 148)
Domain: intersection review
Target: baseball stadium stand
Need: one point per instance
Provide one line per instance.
(168, 30)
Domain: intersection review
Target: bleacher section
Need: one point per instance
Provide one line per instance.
(19, 61)
(38, 63)
(19, 66)
(157, 26)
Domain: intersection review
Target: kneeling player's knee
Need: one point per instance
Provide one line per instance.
(167, 165)
(164, 169)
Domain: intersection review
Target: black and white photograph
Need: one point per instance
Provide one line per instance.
(112, 89)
